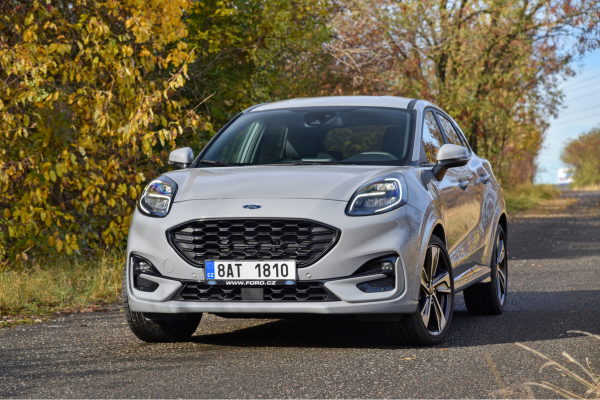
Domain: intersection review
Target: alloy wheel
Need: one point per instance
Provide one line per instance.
(501, 267)
(436, 291)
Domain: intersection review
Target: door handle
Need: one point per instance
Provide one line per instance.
(484, 178)
(463, 184)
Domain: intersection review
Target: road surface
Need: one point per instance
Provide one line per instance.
(554, 277)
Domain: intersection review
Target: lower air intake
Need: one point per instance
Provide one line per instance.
(307, 291)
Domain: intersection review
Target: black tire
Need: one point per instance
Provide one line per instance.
(159, 331)
(412, 329)
(490, 298)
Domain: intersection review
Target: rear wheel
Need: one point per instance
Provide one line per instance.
(157, 331)
(490, 297)
(429, 325)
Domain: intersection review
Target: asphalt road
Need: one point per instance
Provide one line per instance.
(554, 277)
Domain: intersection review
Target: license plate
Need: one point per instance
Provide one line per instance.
(250, 273)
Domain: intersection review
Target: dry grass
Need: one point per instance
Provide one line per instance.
(67, 285)
(590, 188)
(528, 196)
(583, 374)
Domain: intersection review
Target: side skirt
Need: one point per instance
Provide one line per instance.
(473, 275)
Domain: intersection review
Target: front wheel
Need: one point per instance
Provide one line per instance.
(429, 325)
(159, 331)
(490, 297)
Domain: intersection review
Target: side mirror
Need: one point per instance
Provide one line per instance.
(181, 158)
(450, 156)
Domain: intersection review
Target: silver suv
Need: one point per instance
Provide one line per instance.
(371, 206)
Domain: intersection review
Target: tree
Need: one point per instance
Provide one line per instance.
(89, 106)
(583, 154)
(493, 65)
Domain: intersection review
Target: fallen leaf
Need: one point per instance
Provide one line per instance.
(408, 359)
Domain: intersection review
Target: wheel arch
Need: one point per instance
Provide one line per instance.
(433, 225)
(439, 231)
(503, 221)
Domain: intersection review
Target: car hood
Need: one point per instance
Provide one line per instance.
(332, 182)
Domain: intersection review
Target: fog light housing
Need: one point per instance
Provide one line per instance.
(385, 265)
(142, 266)
(380, 265)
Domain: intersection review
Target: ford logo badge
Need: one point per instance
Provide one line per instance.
(212, 282)
(252, 206)
(289, 282)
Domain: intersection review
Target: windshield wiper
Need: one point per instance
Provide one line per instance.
(222, 164)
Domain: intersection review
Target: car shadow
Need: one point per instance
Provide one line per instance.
(553, 315)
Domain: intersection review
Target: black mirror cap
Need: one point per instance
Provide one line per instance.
(180, 165)
(439, 170)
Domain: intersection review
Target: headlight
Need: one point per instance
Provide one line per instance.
(379, 195)
(158, 196)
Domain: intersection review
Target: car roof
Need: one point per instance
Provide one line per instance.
(364, 101)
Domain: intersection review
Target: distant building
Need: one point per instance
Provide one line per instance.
(565, 176)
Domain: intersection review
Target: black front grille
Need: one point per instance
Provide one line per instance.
(305, 291)
(256, 239)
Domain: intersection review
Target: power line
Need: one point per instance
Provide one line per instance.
(570, 121)
(594, 85)
(596, 106)
(584, 96)
(586, 80)
(585, 109)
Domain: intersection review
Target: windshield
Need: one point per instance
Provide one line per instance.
(319, 135)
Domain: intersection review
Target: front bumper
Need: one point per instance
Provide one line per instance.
(362, 239)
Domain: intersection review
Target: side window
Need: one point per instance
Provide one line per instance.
(451, 134)
(432, 137)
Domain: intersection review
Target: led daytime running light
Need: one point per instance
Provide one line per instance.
(379, 195)
(157, 197)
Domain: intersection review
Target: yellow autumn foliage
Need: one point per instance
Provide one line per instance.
(90, 105)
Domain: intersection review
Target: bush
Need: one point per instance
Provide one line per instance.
(89, 107)
(583, 153)
(527, 196)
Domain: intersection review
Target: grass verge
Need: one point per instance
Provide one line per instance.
(527, 196)
(68, 285)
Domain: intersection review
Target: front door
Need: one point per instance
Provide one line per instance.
(455, 196)
(466, 235)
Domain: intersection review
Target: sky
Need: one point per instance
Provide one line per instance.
(582, 98)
